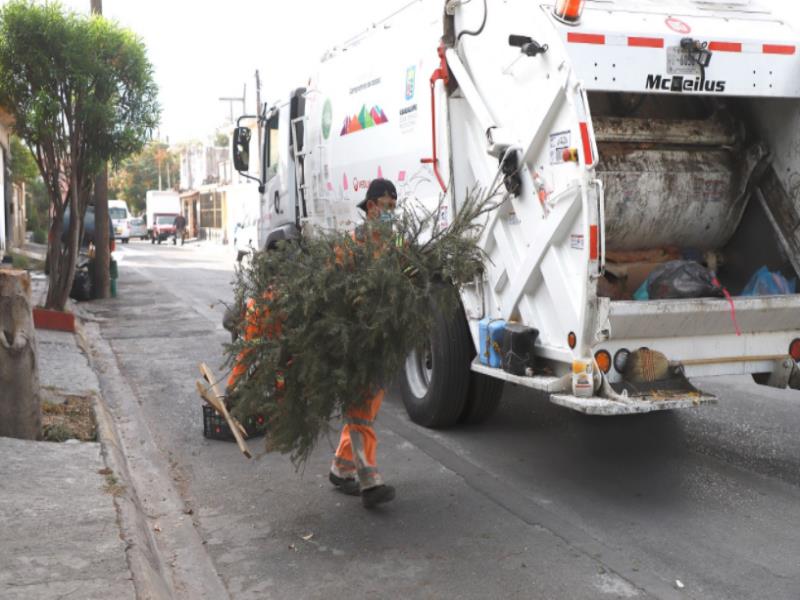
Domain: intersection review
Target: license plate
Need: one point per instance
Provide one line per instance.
(680, 63)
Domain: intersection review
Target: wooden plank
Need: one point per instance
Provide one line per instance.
(219, 406)
(209, 376)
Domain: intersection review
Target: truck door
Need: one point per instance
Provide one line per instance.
(277, 205)
(297, 156)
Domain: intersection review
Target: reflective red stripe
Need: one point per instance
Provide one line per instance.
(588, 158)
(725, 46)
(646, 42)
(594, 242)
(778, 49)
(586, 38)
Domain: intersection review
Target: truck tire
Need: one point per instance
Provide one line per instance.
(435, 378)
(483, 398)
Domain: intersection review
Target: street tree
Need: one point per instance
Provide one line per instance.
(138, 173)
(81, 91)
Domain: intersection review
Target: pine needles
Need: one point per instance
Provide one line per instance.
(337, 316)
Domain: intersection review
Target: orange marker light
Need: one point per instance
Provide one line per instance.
(570, 155)
(572, 340)
(603, 359)
(568, 11)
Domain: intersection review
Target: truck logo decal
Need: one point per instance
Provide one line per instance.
(411, 80)
(681, 84)
(327, 118)
(365, 86)
(678, 26)
(364, 119)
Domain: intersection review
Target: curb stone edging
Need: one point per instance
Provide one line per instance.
(141, 551)
(152, 501)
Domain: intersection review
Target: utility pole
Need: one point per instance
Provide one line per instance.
(102, 257)
(258, 122)
(231, 99)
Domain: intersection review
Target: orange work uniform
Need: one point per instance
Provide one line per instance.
(255, 327)
(356, 455)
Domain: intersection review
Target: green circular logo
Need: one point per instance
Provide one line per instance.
(327, 118)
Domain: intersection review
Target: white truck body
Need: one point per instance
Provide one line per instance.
(161, 202)
(626, 147)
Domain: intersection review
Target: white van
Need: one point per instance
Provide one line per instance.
(119, 213)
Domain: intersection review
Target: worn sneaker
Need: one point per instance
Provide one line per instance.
(379, 494)
(346, 485)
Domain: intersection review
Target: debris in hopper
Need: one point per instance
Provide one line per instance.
(766, 283)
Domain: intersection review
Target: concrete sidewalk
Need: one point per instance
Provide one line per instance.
(59, 530)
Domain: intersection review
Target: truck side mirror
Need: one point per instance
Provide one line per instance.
(241, 148)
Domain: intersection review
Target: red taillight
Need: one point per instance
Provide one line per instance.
(113, 245)
(794, 349)
(260, 420)
(568, 11)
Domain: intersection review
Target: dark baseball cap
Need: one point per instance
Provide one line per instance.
(377, 189)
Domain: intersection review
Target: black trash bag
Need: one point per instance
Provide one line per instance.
(81, 285)
(682, 279)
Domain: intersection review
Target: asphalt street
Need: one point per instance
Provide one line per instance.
(539, 502)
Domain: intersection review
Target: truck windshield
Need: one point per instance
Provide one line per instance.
(117, 213)
(165, 219)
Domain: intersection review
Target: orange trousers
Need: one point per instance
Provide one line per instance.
(356, 455)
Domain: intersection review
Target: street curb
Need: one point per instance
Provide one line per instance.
(151, 500)
(144, 560)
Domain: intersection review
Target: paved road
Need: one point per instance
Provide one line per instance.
(540, 502)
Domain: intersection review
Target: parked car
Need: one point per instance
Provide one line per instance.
(163, 227)
(138, 228)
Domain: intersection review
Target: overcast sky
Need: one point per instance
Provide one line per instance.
(203, 50)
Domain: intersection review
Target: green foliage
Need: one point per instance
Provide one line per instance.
(23, 166)
(221, 140)
(39, 236)
(57, 433)
(81, 92)
(348, 313)
(20, 261)
(139, 173)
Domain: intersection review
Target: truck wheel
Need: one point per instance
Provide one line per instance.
(483, 398)
(434, 385)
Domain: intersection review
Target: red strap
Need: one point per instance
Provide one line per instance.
(728, 297)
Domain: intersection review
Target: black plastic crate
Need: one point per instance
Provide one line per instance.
(215, 427)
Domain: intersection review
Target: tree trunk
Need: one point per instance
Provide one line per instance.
(64, 258)
(102, 256)
(20, 408)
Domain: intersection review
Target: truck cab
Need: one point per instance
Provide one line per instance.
(163, 227)
(280, 176)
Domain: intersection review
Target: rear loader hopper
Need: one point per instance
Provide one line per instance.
(644, 132)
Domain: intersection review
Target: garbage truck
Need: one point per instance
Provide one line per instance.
(625, 140)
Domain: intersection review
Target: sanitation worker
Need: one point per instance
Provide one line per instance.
(354, 469)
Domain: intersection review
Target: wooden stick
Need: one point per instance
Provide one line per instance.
(219, 406)
(208, 375)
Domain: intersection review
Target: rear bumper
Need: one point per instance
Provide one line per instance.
(606, 407)
(700, 334)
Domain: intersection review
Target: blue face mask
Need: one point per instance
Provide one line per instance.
(387, 216)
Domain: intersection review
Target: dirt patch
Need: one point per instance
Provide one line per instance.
(112, 486)
(71, 418)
